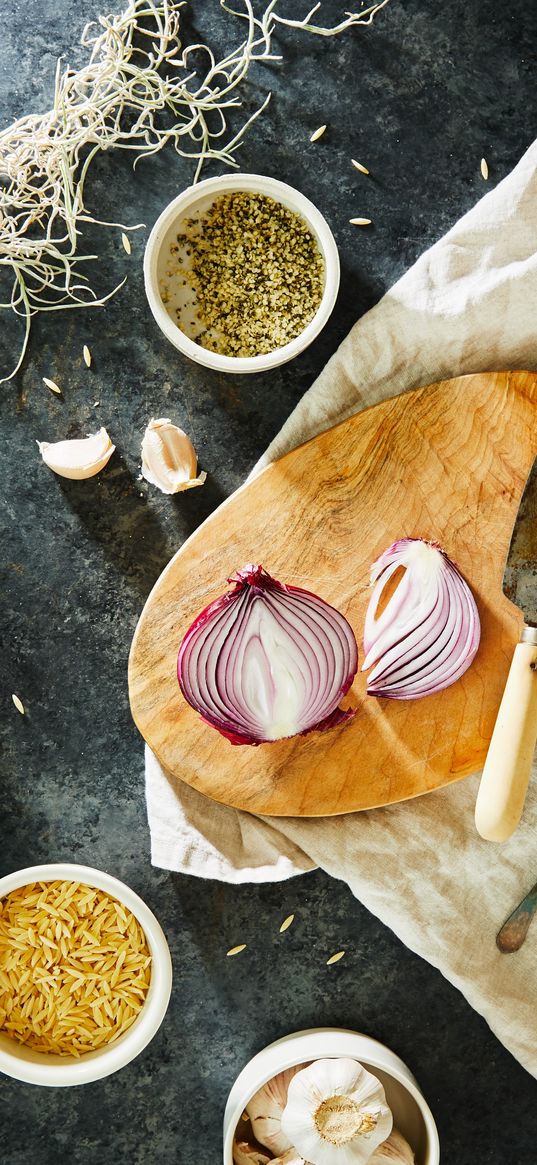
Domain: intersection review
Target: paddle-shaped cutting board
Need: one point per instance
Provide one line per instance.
(447, 462)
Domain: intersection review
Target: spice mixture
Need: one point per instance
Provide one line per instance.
(256, 272)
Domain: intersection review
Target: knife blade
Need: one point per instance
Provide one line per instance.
(520, 574)
(504, 782)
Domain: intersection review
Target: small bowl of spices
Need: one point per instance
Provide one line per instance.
(241, 273)
(85, 974)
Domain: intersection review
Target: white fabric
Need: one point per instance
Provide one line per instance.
(468, 304)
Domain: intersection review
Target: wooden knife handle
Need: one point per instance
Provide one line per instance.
(507, 768)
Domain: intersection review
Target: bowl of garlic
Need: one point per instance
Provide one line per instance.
(328, 1097)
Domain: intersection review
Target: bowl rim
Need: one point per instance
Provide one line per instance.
(64, 1071)
(281, 192)
(302, 1045)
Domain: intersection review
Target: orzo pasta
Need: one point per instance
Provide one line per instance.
(74, 967)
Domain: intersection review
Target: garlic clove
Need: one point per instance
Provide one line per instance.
(291, 1157)
(246, 1154)
(168, 457)
(265, 1111)
(336, 1113)
(80, 458)
(395, 1150)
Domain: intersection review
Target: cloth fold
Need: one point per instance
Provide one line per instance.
(467, 305)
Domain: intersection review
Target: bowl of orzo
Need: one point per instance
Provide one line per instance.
(241, 272)
(85, 974)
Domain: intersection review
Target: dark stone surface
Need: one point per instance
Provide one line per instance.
(420, 98)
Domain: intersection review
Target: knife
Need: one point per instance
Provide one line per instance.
(514, 931)
(507, 768)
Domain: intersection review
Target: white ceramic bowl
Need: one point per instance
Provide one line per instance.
(198, 199)
(33, 1067)
(411, 1113)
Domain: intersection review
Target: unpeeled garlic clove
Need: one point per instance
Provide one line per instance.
(168, 457)
(79, 458)
(336, 1113)
(265, 1111)
(395, 1150)
(291, 1157)
(246, 1154)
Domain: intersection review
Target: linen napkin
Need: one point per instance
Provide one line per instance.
(467, 305)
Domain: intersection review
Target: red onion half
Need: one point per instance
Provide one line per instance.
(267, 661)
(422, 626)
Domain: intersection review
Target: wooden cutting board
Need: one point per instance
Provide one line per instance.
(447, 462)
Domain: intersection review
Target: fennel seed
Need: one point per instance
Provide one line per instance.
(236, 950)
(358, 166)
(318, 133)
(18, 704)
(87, 356)
(484, 168)
(126, 243)
(335, 958)
(360, 222)
(52, 385)
(287, 923)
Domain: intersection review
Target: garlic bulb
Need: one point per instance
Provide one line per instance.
(246, 1154)
(336, 1113)
(80, 458)
(265, 1110)
(395, 1149)
(168, 457)
(291, 1157)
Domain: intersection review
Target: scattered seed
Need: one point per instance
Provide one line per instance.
(18, 704)
(126, 243)
(52, 385)
(484, 168)
(236, 950)
(335, 958)
(287, 923)
(318, 133)
(358, 166)
(87, 355)
(360, 222)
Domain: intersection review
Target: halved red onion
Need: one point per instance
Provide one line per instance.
(266, 660)
(425, 636)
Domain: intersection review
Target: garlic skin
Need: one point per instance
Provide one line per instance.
(246, 1154)
(291, 1157)
(168, 457)
(336, 1113)
(78, 459)
(395, 1150)
(265, 1111)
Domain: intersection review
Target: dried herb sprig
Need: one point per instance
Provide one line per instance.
(267, 23)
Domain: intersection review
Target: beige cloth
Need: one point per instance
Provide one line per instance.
(467, 305)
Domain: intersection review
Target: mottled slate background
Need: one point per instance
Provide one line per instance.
(420, 98)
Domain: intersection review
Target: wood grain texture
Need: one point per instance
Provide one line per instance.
(449, 462)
